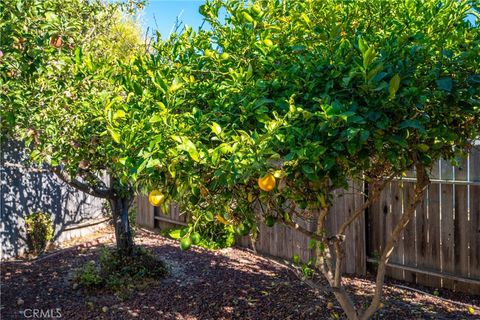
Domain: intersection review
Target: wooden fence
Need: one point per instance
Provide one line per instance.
(440, 247)
(284, 242)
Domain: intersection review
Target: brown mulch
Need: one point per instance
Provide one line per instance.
(226, 284)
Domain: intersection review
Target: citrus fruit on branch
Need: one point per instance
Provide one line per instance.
(185, 244)
(270, 221)
(195, 237)
(267, 182)
(156, 198)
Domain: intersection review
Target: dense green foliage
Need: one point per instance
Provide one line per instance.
(62, 68)
(56, 80)
(317, 93)
(318, 98)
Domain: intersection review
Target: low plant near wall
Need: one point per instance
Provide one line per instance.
(39, 228)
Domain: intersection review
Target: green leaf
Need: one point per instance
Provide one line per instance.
(216, 128)
(445, 84)
(423, 147)
(119, 114)
(115, 135)
(362, 45)
(190, 147)
(153, 163)
(415, 124)
(306, 19)
(398, 140)
(247, 17)
(393, 86)
(209, 216)
(249, 72)
(154, 119)
(296, 259)
(307, 169)
(176, 84)
(364, 135)
(175, 234)
(368, 57)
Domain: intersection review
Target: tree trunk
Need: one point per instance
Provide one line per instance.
(123, 233)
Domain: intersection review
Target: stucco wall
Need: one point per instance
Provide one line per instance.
(26, 190)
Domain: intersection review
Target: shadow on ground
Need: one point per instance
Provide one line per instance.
(228, 284)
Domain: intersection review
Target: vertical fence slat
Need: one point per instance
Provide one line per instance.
(433, 255)
(421, 233)
(474, 232)
(432, 252)
(349, 209)
(396, 212)
(447, 233)
(359, 225)
(461, 224)
(409, 234)
(474, 235)
(375, 225)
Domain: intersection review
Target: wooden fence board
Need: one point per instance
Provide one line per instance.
(396, 213)
(461, 223)
(359, 225)
(430, 249)
(474, 231)
(447, 231)
(409, 234)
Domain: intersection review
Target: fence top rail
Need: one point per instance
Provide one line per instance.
(442, 181)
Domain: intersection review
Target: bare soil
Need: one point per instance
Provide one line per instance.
(226, 284)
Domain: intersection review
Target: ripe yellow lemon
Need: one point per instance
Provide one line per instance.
(267, 182)
(268, 42)
(156, 198)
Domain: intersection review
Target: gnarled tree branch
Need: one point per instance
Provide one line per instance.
(84, 187)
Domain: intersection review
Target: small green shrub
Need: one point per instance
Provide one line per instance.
(120, 274)
(39, 228)
(89, 276)
(307, 269)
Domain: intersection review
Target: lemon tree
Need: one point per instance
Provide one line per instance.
(71, 89)
(316, 94)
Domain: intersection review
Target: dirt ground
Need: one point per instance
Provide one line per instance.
(226, 284)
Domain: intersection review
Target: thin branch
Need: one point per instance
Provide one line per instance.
(99, 183)
(100, 193)
(374, 196)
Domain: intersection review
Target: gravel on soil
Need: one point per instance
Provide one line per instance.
(225, 284)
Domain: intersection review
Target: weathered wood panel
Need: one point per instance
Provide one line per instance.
(144, 212)
(442, 240)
